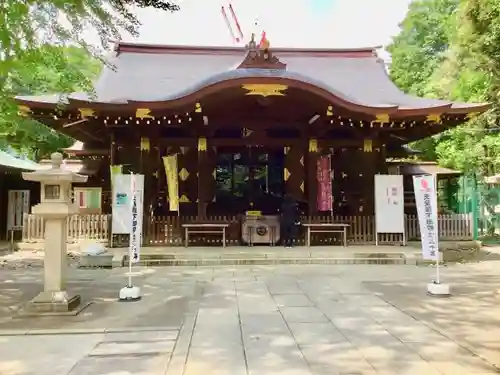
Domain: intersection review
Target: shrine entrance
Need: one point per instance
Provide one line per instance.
(249, 178)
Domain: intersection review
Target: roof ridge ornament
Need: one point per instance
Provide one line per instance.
(260, 57)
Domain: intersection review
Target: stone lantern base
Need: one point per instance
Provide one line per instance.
(54, 303)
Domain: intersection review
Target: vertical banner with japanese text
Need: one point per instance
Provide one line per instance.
(135, 242)
(426, 201)
(324, 177)
(170, 163)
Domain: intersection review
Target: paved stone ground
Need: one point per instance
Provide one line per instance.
(253, 320)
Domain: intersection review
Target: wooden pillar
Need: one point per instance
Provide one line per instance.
(145, 168)
(312, 178)
(204, 175)
(294, 172)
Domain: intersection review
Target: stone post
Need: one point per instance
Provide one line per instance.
(56, 204)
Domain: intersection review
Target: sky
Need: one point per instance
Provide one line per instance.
(288, 23)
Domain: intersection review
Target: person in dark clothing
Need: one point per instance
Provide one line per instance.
(289, 221)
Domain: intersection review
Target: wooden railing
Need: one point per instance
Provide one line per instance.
(80, 228)
(166, 231)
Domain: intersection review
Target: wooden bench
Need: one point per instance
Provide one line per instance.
(326, 228)
(200, 228)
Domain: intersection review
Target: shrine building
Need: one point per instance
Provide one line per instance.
(248, 125)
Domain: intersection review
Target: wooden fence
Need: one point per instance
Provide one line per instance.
(167, 231)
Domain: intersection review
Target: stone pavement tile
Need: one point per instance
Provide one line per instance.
(263, 323)
(292, 300)
(364, 300)
(276, 286)
(340, 358)
(141, 336)
(463, 367)
(44, 355)
(414, 332)
(316, 333)
(449, 356)
(303, 315)
(264, 359)
(216, 361)
(181, 349)
(137, 365)
(272, 341)
(138, 347)
(352, 321)
(326, 296)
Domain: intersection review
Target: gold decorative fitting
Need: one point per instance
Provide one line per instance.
(302, 186)
(197, 108)
(382, 118)
(156, 174)
(313, 145)
(435, 118)
(367, 145)
(202, 144)
(145, 144)
(246, 132)
(472, 115)
(286, 150)
(184, 199)
(86, 112)
(302, 160)
(329, 110)
(23, 110)
(263, 89)
(183, 174)
(286, 174)
(143, 113)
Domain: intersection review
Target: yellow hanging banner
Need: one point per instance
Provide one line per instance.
(114, 170)
(170, 164)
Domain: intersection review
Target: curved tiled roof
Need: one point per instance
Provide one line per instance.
(142, 73)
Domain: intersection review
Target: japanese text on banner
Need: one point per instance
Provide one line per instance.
(426, 201)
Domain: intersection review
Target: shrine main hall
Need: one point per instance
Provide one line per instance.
(248, 125)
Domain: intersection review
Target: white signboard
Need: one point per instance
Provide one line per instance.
(426, 201)
(121, 222)
(389, 204)
(18, 204)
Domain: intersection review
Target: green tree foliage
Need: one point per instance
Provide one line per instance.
(450, 49)
(33, 59)
(37, 78)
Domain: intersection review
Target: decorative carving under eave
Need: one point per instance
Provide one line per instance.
(260, 58)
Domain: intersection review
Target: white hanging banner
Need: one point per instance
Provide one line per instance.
(426, 201)
(121, 222)
(135, 228)
(389, 204)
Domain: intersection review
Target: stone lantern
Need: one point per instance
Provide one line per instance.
(56, 204)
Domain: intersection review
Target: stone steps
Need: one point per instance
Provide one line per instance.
(179, 259)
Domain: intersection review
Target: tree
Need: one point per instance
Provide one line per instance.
(25, 26)
(28, 135)
(444, 59)
(33, 59)
(420, 46)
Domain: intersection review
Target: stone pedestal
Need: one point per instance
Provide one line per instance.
(55, 207)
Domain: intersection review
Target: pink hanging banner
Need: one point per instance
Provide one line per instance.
(324, 177)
